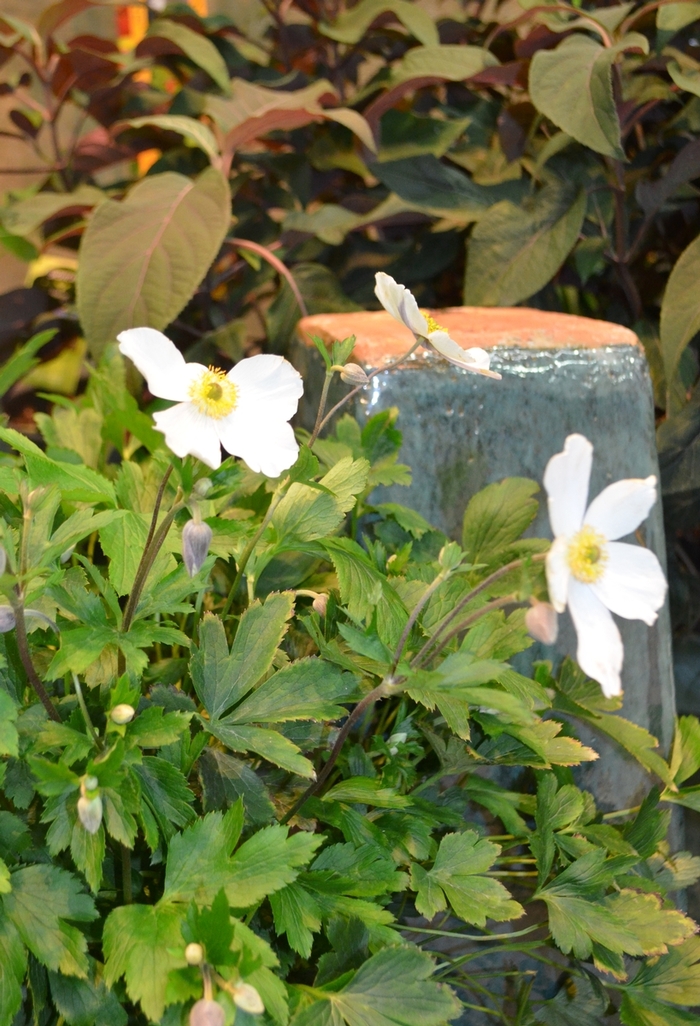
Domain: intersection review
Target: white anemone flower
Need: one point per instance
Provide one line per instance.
(592, 572)
(401, 304)
(246, 410)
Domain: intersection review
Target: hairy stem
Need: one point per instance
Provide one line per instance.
(415, 613)
(248, 550)
(150, 552)
(321, 407)
(358, 712)
(538, 557)
(25, 655)
(498, 603)
(353, 392)
(86, 715)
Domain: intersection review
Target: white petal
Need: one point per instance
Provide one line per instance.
(558, 573)
(190, 433)
(621, 507)
(267, 445)
(267, 385)
(161, 363)
(566, 479)
(600, 651)
(475, 360)
(400, 303)
(633, 584)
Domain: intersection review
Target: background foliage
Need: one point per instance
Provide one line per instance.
(225, 174)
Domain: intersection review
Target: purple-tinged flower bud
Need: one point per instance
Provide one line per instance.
(122, 714)
(320, 604)
(196, 539)
(7, 619)
(207, 1013)
(247, 999)
(354, 374)
(194, 954)
(541, 622)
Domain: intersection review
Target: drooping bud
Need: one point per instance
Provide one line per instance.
(541, 622)
(7, 619)
(207, 1013)
(122, 714)
(354, 374)
(194, 954)
(320, 604)
(247, 999)
(196, 539)
(65, 556)
(90, 804)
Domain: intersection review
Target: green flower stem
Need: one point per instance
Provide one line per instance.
(250, 547)
(468, 936)
(415, 613)
(538, 557)
(25, 655)
(353, 392)
(86, 715)
(321, 406)
(381, 691)
(150, 552)
(431, 652)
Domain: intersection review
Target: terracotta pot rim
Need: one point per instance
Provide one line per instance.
(379, 336)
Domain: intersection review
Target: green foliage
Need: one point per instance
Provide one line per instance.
(318, 746)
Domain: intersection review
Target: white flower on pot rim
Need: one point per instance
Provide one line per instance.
(246, 410)
(592, 572)
(401, 304)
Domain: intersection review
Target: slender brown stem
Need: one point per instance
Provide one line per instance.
(538, 557)
(432, 651)
(370, 698)
(321, 407)
(415, 613)
(147, 561)
(379, 370)
(156, 508)
(25, 656)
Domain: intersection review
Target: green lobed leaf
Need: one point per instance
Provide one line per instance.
(226, 779)
(134, 267)
(497, 516)
(457, 874)
(77, 484)
(13, 966)
(42, 899)
(220, 678)
(269, 744)
(143, 943)
(307, 689)
(86, 1003)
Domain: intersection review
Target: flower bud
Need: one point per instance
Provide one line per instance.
(65, 556)
(247, 999)
(203, 486)
(90, 813)
(196, 539)
(207, 1013)
(194, 954)
(7, 619)
(122, 714)
(541, 622)
(354, 374)
(320, 604)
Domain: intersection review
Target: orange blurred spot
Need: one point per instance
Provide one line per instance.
(146, 159)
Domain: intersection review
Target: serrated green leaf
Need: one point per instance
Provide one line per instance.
(267, 862)
(365, 790)
(13, 966)
(77, 484)
(22, 361)
(226, 779)
(42, 899)
(497, 516)
(267, 743)
(674, 977)
(457, 873)
(9, 740)
(307, 689)
(199, 859)
(143, 943)
(220, 678)
(86, 1003)
(154, 727)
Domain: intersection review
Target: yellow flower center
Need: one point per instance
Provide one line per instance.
(587, 555)
(214, 394)
(432, 323)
